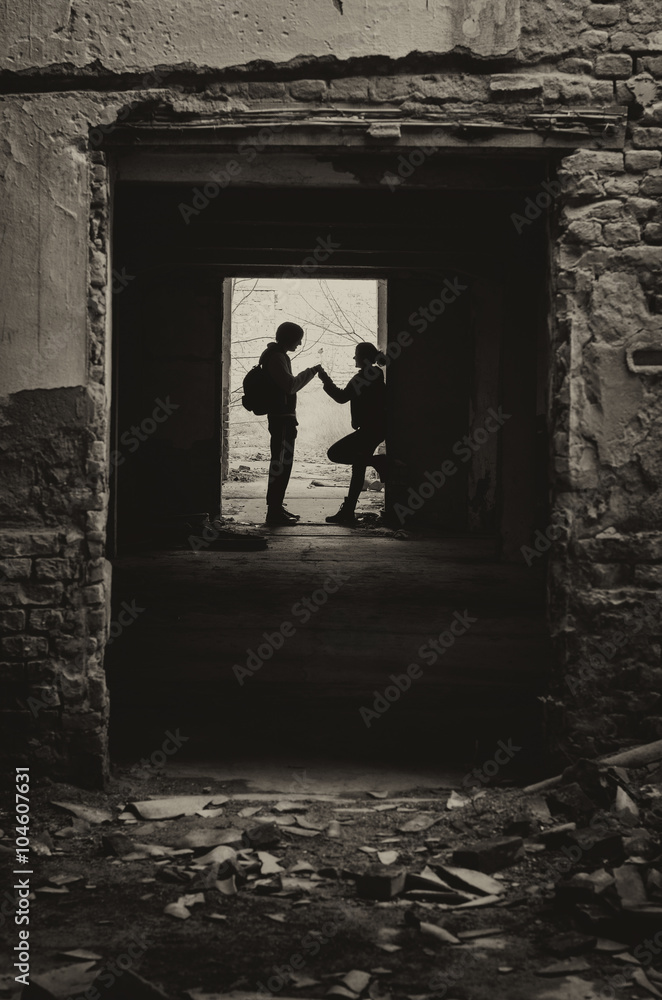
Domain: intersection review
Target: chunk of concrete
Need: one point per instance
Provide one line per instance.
(630, 887)
(565, 967)
(470, 881)
(381, 883)
(175, 806)
(490, 855)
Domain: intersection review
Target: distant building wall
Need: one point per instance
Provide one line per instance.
(335, 316)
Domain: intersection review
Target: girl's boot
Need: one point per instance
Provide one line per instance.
(344, 516)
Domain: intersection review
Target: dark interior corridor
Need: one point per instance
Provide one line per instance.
(203, 611)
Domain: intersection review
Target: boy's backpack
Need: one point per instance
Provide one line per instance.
(261, 394)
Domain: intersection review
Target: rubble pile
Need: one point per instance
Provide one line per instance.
(557, 888)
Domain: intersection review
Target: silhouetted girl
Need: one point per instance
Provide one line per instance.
(366, 394)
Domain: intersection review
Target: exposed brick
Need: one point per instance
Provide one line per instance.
(96, 620)
(11, 594)
(652, 114)
(647, 138)
(41, 671)
(605, 211)
(24, 647)
(557, 87)
(97, 693)
(96, 571)
(308, 90)
(353, 90)
(82, 721)
(642, 208)
(94, 502)
(74, 542)
(594, 40)
(73, 689)
(603, 14)
(96, 520)
(91, 744)
(586, 187)
(447, 88)
(53, 569)
(602, 91)
(621, 184)
(392, 88)
(652, 183)
(648, 576)
(73, 650)
(623, 93)
(45, 619)
(652, 64)
(43, 697)
(576, 65)
(620, 234)
(585, 232)
(586, 160)
(612, 547)
(513, 83)
(35, 543)
(11, 670)
(653, 233)
(626, 41)
(39, 593)
(607, 575)
(12, 621)
(261, 90)
(642, 159)
(95, 594)
(614, 65)
(15, 569)
(234, 89)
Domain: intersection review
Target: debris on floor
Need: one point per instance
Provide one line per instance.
(508, 894)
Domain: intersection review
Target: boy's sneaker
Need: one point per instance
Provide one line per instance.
(279, 516)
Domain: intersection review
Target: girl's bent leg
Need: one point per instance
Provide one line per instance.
(344, 452)
(355, 485)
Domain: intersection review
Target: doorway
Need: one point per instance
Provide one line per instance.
(336, 315)
(463, 290)
(464, 306)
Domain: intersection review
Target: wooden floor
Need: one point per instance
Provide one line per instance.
(204, 611)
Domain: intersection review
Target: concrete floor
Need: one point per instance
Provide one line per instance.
(317, 778)
(245, 502)
(203, 611)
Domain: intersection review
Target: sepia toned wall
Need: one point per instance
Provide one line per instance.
(72, 72)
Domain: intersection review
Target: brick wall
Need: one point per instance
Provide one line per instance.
(606, 556)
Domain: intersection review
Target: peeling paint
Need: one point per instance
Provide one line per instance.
(132, 35)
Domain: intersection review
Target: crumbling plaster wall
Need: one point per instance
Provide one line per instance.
(67, 67)
(139, 33)
(54, 580)
(608, 567)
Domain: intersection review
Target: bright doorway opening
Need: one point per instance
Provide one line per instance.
(336, 315)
